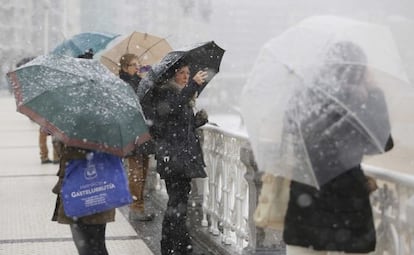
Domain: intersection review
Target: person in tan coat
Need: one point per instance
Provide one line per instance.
(43, 148)
(88, 232)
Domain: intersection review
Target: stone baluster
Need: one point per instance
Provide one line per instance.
(261, 241)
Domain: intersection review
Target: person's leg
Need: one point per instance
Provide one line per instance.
(135, 180)
(44, 158)
(175, 238)
(137, 173)
(298, 250)
(89, 239)
(56, 152)
(345, 253)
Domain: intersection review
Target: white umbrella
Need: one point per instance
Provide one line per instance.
(303, 79)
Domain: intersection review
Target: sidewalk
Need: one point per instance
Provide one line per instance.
(27, 201)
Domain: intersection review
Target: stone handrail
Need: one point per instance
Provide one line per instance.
(226, 191)
(393, 206)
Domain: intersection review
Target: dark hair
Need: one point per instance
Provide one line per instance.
(348, 62)
(126, 59)
(180, 64)
(345, 65)
(88, 54)
(175, 67)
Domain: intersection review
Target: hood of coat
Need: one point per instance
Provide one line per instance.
(177, 88)
(173, 86)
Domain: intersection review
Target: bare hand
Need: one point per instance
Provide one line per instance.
(200, 77)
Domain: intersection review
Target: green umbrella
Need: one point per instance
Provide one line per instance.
(80, 102)
(80, 43)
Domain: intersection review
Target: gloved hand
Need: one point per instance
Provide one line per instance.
(146, 148)
(371, 184)
(201, 118)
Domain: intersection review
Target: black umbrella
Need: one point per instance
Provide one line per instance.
(202, 56)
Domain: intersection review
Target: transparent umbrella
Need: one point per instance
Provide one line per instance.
(320, 96)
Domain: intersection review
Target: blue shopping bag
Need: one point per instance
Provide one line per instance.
(95, 184)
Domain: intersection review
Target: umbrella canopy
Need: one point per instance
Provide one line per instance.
(80, 102)
(149, 49)
(80, 43)
(319, 95)
(24, 61)
(204, 56)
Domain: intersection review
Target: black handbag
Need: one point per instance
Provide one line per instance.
(181, 160)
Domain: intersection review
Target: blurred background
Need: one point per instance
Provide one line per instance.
(34, 27)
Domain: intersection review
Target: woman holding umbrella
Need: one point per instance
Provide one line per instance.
(178, 151)
(137, 162)
(337, 217)
(88, 232)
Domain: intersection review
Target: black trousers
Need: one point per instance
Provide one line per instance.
(175, 237)
(89, 238)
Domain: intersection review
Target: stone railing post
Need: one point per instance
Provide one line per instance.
(261, 241)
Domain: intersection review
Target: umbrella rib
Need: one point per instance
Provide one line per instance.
(307, 157)
(152, 46)
(129, 40)
(292, 71)
(377, 143)
(110, 60)
(364, 127)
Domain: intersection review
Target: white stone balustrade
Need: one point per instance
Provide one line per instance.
(228, 203)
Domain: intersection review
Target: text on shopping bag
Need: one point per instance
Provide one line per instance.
(94, 184)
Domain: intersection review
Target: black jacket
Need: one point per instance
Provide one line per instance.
(178, 151)
(338, 216)
(147, 147)
(133, 81)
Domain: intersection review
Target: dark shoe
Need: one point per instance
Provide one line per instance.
(55, 161)
(46, 161)
(137, 216)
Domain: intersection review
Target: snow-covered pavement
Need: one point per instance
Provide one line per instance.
(27, 202)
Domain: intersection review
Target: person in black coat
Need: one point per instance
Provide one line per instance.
(337, 216)
(138, 162)
(130, 70)
(178, 151)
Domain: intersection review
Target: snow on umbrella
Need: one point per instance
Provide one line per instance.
(318, 98)
(81, 43)
(80, 102)
(204, 56)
